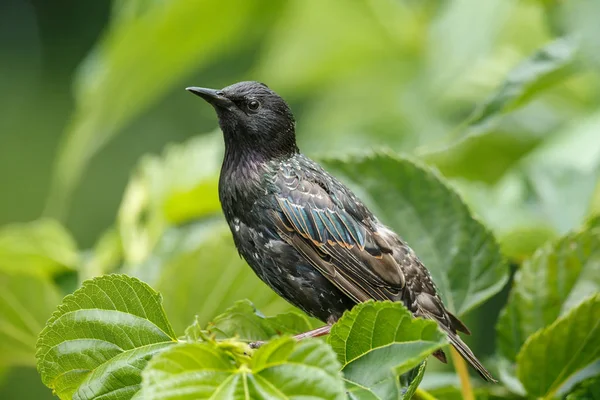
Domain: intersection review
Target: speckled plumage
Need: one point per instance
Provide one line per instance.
(302, 231)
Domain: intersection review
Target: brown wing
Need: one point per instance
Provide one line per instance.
(345, 250)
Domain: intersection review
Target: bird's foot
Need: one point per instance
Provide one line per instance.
(321, 331)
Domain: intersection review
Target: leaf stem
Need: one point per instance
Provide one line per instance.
(461, 369)
(421, 394)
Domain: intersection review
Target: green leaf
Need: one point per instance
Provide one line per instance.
(208, 278)
(377, 342)
(587, 390)
(461, 254)
(26, 302)
(549, 284)
(554, 354)
(482, 132)
(549, 65)
(173, 236)
(177, 187)
(409, 382)
(281, 369)
(549, 193)
(507, 208)
(100, 338)
(104, 258)
(140, 57)
(564, 172)
(41, 247)
(245, 322)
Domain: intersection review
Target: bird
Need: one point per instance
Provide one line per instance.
(303, 232)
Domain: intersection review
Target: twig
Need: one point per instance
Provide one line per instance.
(461, 369)
(421, 394)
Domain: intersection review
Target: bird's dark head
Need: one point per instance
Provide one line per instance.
(253, 118)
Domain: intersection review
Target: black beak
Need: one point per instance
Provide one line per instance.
(212, 96)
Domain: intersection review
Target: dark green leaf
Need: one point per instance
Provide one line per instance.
(556, 279)
(587, 390)
(281, 369)
(462, 255)
(378, 342)
(551, 356)
(101, 337)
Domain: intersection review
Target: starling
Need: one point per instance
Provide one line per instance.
(303, 232)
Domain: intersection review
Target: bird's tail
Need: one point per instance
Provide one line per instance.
(468, 355)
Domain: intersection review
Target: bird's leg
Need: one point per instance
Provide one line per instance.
(321, 331)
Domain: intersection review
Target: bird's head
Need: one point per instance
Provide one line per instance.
(253, 118)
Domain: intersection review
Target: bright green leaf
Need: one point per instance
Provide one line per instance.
(281, 369)
(554, 354)
(177, 187)
(377, 342)
(549, 284)
(26, 302)
(564, 171)
(40, 247)
(409, 382)
(548, 66)
(101, 337)
(495, 143)
(509, 209)
(462, 255)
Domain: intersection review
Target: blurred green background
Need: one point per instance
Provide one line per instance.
(502, 96)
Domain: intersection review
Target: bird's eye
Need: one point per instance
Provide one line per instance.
(253, 105)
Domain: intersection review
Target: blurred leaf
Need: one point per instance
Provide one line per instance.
(357, 74)
(587, 390)
(177, 187)
(26, 302)
(554, 354)
(42, 247)
(136, 62)
(485, 138)
(101, 337)
(462, 255)
(173, 237)
(564, 171)
(511, 209)
(578, 17)
(493, 152)
(281, 369)
(549, 284)
(104, 258)
(377, 342)
(308, 48)
(210, 277)
(244, 322)
(549, 65)
(550, 191)
(453, 51)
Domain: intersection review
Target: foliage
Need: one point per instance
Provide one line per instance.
(497, 104)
